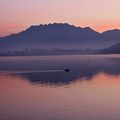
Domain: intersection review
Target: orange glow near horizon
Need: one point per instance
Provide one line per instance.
(16, 16)
(12, 29)
(106, 27)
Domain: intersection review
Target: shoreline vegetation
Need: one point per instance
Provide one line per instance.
(55, 51)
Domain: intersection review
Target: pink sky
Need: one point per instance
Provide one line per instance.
(17, 15)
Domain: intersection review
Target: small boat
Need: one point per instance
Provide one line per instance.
(67, 70)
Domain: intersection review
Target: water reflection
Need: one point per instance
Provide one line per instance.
(93, 99)
(77, 72)
(90, 91)
(80, 67)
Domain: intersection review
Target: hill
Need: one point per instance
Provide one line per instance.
(59, 35)
(115, 49)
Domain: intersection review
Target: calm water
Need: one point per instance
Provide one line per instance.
(38, 88)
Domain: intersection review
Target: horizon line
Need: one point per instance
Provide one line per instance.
(37, 25)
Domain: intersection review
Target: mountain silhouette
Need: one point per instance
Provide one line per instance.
(59, 35)
(115, 49)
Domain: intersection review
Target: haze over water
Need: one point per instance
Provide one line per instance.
(38, 88)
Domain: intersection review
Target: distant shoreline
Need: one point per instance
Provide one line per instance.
(58, 55)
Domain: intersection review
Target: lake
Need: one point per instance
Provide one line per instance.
(39, 88)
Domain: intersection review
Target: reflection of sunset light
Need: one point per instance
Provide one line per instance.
(85, 99)
(102, 79)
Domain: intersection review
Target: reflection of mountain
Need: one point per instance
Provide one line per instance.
(78, 70)
(59, 36)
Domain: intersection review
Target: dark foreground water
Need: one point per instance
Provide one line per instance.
(38, 88)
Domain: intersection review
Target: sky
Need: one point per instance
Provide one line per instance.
(17, 15)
